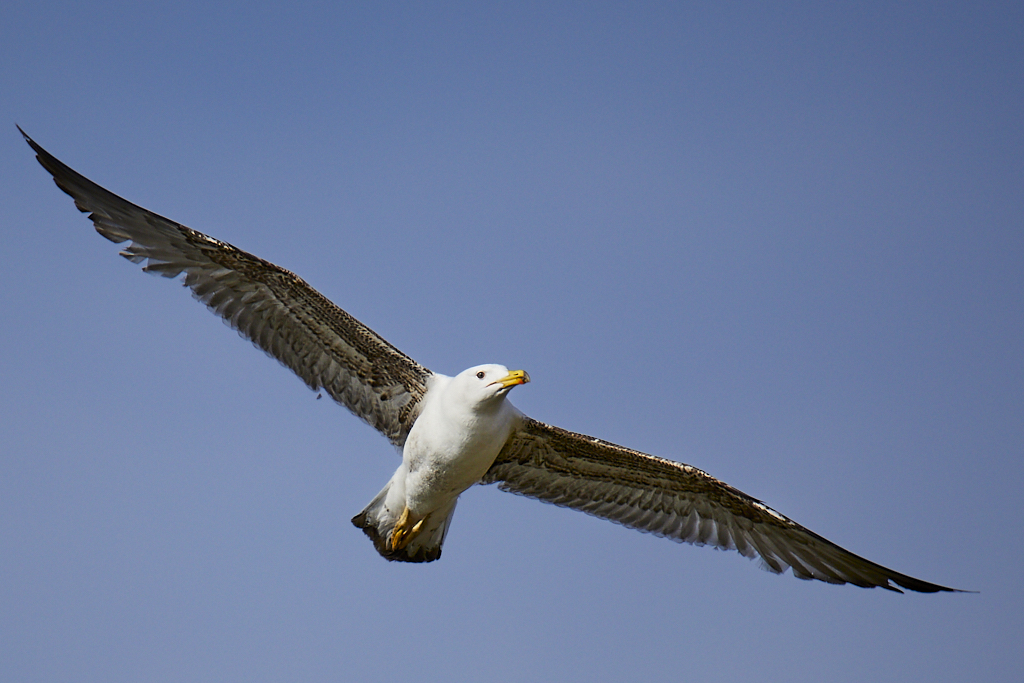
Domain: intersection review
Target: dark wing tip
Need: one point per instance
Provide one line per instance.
(919, 586)
(32, 143)
(62, 174)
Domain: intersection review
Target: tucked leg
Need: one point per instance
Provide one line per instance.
(406, 529)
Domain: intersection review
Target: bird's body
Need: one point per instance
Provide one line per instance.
(455, 438)
(463, 424)
(457, 431)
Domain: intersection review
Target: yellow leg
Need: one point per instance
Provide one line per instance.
(405, 530)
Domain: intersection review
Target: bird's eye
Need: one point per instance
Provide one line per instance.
(480, 375)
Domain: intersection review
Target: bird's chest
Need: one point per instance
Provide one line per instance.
(448, 453)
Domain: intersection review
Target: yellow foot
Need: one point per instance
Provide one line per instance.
(405, 530)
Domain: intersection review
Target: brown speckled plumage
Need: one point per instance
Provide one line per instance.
(675, 501)
(270, 306)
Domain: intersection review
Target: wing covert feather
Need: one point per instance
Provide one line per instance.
(272, 307)
(675, 501)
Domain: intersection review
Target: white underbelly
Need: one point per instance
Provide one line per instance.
(442, 463)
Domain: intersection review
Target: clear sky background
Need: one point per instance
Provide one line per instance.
(781, 242)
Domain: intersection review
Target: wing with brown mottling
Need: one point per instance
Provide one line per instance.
(268, 305)
(675, 501)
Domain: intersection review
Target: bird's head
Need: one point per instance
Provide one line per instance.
(484, 383)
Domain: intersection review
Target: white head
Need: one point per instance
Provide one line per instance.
(485, 385)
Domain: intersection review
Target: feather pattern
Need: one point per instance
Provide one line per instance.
(675, 501)
(272, 307)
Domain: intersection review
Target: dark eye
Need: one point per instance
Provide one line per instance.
(480, 375)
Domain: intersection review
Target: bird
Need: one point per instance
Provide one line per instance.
(458, 431)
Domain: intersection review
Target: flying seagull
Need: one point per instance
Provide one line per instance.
(458, 431)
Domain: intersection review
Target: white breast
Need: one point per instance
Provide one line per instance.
(452, 444)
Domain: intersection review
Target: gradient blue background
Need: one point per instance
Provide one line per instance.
(781, 242)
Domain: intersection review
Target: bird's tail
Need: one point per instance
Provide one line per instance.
(377, 520)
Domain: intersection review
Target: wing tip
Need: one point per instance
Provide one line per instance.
(918, 586)
(32, 143)
(60, 171)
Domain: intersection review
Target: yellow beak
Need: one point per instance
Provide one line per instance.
(512, 378)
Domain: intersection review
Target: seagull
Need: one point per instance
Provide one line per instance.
(454, 432)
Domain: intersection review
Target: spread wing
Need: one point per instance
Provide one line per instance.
(268, 305)
(675, 501)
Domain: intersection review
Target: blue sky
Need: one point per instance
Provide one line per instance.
(780, 243)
